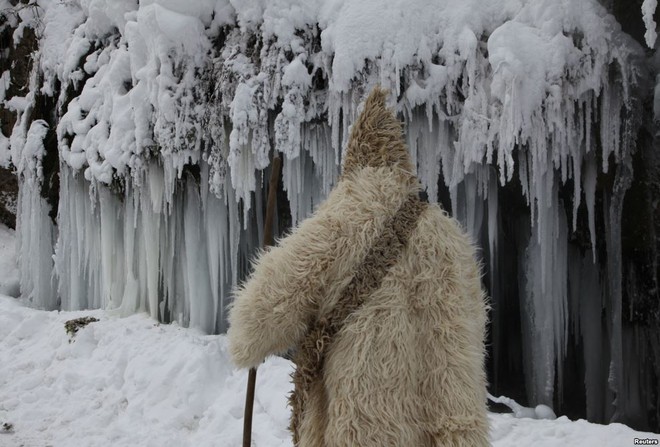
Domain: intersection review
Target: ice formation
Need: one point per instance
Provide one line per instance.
(169, 112)
(539, 412)
(648, 9)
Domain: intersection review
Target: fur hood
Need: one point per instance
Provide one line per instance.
(376, 140)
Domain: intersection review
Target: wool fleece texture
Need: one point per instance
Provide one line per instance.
(406, 366)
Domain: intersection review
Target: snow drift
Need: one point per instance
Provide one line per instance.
(113, 384)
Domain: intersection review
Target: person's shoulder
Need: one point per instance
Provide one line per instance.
(436, 222)
(434, 213)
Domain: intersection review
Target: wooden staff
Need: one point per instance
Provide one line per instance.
(268, 240)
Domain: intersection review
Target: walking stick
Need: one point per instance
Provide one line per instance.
(268, 240)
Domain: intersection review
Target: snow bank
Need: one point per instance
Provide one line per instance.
(131, 381)
(127, 382)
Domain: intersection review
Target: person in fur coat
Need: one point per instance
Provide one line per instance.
(405, 365)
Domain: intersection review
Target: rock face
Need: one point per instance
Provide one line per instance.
(16, 61)
(140, 135)
(8, 197)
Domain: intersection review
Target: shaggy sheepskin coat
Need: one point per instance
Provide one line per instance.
(407, 367)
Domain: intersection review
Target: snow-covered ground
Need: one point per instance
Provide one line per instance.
(134, 382)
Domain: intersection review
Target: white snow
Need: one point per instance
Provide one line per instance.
(127, 382)
(131, 381)
(648, 9)
(150, 65)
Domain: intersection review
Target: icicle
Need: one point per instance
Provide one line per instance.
(617, 377)
(473, 207)
(610, 124)
(150, 242)
(220, 265)
(35, 246)
(577, 186)
(428, 143)
(590, 177)
(112, 279)
(36, 236)
(586, 291)
(130, 300)
(544, 305)
(303, 187)
(234, 234)
(173, 262)
(196, 268)
(317, 140)
(648, 10)
(492, 225)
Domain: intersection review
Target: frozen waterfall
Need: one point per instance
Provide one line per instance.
(522, 118)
